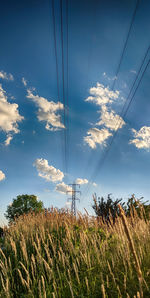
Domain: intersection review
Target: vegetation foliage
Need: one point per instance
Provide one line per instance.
(58, 255)
(23, 204)
(107, 208)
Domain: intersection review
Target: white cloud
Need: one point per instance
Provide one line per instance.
(142, 138)
(68, 204)
(94, 184)
(101, 95)
(24, 81)
(5, 76)
(63, 188)
(12, 97)
(46, 190)
(8, 140)
(47, 111)
(48, 172)
(133, 71)
(110, 119)
(125, 85)
(109, 78)
(81, 181)
(9, 116)
(2, 176)
(97, 136)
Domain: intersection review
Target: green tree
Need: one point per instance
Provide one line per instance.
(141, 208)
(1, 232)
(23, 204)
(106, 209)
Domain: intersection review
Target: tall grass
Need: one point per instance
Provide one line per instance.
(58, 255)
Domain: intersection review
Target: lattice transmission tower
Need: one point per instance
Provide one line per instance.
(74, 198)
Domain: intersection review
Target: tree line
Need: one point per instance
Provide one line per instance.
(105, 208)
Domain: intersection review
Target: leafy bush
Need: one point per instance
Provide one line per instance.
(108, 209)
(1, 232)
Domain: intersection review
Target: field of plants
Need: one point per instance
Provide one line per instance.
(58, 255)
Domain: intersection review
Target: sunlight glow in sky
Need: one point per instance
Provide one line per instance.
(32, 129)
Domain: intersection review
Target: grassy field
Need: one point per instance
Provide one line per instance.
(58, 255)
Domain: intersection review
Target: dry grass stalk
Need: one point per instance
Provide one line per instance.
(103, 291)
(114, 280)
(6, 264)
(87, 284)
(23, 281)
(43, 284)
(2, 280)
(39, 289)
(13, 245)
(76, 272)
(130, 239)
(27, 273)
(107, 281)
(71, 290)
(82, 247)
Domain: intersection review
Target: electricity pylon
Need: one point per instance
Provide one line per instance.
(74, 199)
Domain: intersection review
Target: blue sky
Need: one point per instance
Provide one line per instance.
(31, 114)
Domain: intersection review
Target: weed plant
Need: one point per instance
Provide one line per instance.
(58, 255)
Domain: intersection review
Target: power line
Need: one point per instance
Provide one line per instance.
(67, 75)
(62, 53)
(124, 114)
(125, 45)
(137, 76)
(123, 52)
(63, 81)
(94, 23)
(55, 46)
(137, 87)
(57, 69)
(67, 82)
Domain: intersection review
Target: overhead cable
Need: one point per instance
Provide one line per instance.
(124, 112)
(125, 44)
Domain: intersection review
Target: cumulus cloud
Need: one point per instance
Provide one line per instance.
(81, 181)
(2, 176)
(94, 184)
(141, 138)
(109, 78)
(102, 95)
(24, 81)
(6, 76)
(48, 172)
(110, 119)
(9, 116)
(8, 140)
(97, 136)
(47, 111)
(63, 188)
